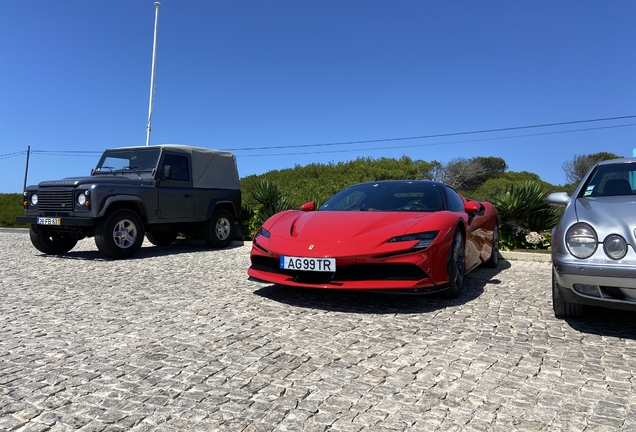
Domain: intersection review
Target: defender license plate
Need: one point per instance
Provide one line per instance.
(308, 264)
(49, 221)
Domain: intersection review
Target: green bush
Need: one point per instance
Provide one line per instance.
(265, 200)
(525, 217)
(10, 207)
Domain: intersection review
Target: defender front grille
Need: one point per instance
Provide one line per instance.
(55, 200)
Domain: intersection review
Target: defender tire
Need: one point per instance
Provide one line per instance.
(51, 243)
(119, 234)
(161, 238)
(218, 231)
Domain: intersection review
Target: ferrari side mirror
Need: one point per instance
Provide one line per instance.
(472, 207)
(310, 206)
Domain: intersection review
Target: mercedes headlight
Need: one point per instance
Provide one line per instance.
(581, 240)
(615, 246)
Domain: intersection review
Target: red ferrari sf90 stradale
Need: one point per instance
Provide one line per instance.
(415, 236)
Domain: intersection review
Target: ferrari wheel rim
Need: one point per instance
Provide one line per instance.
(457, 265)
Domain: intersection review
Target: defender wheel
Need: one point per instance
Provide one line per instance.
(562, 308)
(51, 243)
(161, 238)
(494, 255)
(120, 234)
(218, 232)
(456, 266)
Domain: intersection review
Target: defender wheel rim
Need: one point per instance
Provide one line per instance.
(222, 229)
(125, 233)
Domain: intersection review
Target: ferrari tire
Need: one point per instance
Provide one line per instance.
(51, 243)
(456, 266)
(563, 308)
(494, 255)
(218, 231)
(161, 238)
(119, 234)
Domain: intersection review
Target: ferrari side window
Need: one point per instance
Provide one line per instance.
(455, 202)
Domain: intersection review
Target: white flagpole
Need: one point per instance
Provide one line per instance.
(152, 75)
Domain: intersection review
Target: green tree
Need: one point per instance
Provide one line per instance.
(10, 207)
(576, 168)
(468, 174)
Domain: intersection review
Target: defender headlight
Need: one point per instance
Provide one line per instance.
(424, 239)
(34, 199)
(581, 240)
(81, 199)
(615, 246)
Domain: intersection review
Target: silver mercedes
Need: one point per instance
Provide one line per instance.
(594, 243)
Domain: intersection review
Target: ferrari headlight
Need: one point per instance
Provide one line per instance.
(34, 199)
(424, 239)
(581, 240)
(615, 246)
(262, 232)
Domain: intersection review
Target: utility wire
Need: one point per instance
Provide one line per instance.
(440, 143)
(439, 135)
(75, 153)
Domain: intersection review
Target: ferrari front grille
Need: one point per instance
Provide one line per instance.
(348, 273)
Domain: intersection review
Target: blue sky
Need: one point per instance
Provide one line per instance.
(239, 74)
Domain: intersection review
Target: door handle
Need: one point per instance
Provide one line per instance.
(188, 195)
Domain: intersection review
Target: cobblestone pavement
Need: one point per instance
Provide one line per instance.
(179, 339)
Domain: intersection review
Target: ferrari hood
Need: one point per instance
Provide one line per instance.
(347, 225)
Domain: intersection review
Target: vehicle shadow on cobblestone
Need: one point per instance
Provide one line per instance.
(380, 303)
(606, 322)
(144, 253)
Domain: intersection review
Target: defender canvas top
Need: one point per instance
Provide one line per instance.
(210, 168)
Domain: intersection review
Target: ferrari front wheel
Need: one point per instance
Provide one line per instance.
(456, 266)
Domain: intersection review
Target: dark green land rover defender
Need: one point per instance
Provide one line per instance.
(159, 191)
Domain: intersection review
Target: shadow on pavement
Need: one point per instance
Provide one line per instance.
(368, 302)
(606, 322)
(144, 253)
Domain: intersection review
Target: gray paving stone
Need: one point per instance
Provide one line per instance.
(179, 339)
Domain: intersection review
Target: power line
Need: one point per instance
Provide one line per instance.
(87, 153)
(441, 143)
(9, 155)
(438, 135)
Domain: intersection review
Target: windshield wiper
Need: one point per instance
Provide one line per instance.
(128, 168)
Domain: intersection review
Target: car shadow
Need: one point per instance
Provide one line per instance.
(144, 253)
(369, 302)
(606, 322)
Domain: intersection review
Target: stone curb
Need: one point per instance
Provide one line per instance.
(525, 256)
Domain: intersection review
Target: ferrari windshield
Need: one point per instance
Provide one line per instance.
(611, 180)
(388, 196)
(133, 160)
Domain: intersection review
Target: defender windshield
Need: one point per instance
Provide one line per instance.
(390, 196)
(135, 160)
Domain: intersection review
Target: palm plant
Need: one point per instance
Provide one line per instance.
(523, 209)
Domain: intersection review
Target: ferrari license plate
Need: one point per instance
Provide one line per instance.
(308, 264)
(49, 221)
